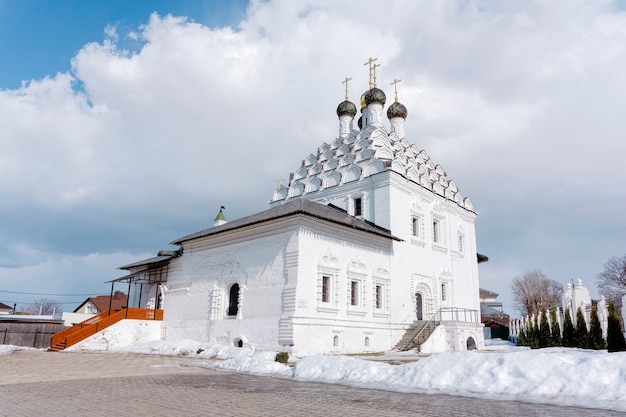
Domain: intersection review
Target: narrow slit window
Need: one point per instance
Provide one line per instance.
(325, 289)
(358, 206)
(436, 231)
(415, 227)
(354, 293)
(379, 296)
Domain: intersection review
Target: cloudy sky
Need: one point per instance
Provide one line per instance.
(125, 125)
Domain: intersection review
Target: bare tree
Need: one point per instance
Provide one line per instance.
(612, 281)
(534, 292)
(45, 306)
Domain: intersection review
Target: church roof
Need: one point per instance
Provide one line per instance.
(292, 208)
(364, 153)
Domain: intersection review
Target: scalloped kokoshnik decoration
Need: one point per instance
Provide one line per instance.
(362, 154)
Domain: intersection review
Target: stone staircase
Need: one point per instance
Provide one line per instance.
(416, 334)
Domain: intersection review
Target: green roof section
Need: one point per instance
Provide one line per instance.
(220, 215)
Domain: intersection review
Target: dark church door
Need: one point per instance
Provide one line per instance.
(419, 308)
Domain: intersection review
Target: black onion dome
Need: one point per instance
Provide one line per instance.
(397, 109)
(375, 95)
(346, 108)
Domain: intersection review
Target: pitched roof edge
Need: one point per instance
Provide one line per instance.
(298, 209)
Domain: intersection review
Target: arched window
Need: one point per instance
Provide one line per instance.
(335, 341)
(233, 303)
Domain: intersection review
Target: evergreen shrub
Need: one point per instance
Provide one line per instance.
(580, 332)
(282, 357)
(555, 330)
(568, 330)
(614, 336)
(595, 339)
(543, 332)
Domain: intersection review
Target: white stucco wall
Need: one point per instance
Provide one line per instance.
(195, 306)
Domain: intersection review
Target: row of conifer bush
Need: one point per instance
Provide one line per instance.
(548, 334)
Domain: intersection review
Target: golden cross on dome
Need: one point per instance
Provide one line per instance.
(395, 87)
(369, 62)
(374, 69)
(346, 83)
(280, 181)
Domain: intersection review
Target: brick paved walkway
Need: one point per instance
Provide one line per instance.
(35, 383)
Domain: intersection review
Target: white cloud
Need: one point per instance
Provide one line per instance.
(520, 103)
(49, 272)
(111, 32)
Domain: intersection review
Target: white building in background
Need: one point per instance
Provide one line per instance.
(367, 241)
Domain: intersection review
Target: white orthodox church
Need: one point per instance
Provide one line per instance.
(368, 247)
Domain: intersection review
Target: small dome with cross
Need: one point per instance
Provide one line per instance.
(397, 109)
(346, 108)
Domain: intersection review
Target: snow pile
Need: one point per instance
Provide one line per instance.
(552, 376)
(7, 349)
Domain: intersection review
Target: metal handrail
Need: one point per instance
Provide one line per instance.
(427, 325)
(83, 330)
(465, 315)
(456, 313)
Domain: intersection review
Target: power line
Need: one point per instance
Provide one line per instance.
(33, 303)
(41, 293)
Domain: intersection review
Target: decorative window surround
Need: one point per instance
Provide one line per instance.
(330, 277)
(356, 292)
(461, 243)
(356, 206)
(380, 278)
(446, 288)
(327, 283)
(439, 233)
(417, 226)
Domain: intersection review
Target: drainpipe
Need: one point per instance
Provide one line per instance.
(128, 298)
(111, 297)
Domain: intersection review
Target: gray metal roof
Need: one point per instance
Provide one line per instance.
(150, 261)
(296, 207)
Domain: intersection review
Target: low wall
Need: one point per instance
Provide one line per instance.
(36, 335)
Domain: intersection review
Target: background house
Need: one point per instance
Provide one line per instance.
(102, 303)
(5, 309)
(492, 315)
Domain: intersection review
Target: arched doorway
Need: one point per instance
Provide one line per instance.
(233, 303)
(471, 343)
(419, 306)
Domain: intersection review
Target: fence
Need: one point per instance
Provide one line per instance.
(36, 335)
